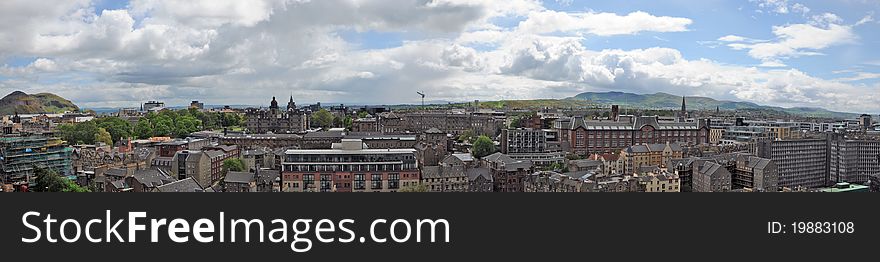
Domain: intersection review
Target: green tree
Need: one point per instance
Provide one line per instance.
(483, 146)
(102, 136)
(414, 188)
(79, 133)
(348, 122)
(322, 118)
(143, 128)
(119, 129)
(467, 136)
(233, 164)
(362, 114)
(48, 180)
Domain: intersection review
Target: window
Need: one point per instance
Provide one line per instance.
(394, 181)
(376, 181)
(326, 183)
(308, 181)
(359, 181)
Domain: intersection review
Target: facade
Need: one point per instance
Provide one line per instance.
(541, 146)
(659, 182)
(195, 104)
(20, 154)
(715, 135)
(756, 173)
(205, 166)
(601, 136)
(507, 173)
(432, 147)
(277, 121)
(367, 124)
(800, 162)
(852, 160)
(348, 167)
(261, 140)
(445, 178)
(151, 105)
(711, 177)
(453, 123)
(379, 140)
(650, 155)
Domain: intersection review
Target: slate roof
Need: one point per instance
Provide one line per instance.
(152, 178)
(239, 177)
(186, 185)
(474, 173)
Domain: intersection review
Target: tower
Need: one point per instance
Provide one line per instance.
(682, 115)
(290, 104)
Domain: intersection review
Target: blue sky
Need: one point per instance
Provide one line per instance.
(120, 53)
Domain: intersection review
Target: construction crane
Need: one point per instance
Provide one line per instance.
(423, 97)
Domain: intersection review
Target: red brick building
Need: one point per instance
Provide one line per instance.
(604, 136)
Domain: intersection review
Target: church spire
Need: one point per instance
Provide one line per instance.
(290, 104)
(683, 107)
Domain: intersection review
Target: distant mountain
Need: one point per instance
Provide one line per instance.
(667, 101)
(22, 103)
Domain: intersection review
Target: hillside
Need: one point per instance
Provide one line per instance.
(23, 103)
(667, 101)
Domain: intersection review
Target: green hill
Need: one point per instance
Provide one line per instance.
(22, 103)
(667, 101)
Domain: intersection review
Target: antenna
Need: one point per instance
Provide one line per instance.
(421, 93)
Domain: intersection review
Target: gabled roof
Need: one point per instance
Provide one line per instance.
(239, 177)
(186, 185)
(152, 177)
(474, 173)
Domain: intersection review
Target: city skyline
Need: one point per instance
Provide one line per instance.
(121, 53)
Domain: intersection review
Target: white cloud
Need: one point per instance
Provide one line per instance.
(247, 53)
(602, 24)
(796, 40)
(859, 76)
(732, 38)
(781, 6)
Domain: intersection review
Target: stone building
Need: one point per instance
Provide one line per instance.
(276, 120)
(453, 123)
(657, 155)
(711, 177)
(432, 147)
(507, 173)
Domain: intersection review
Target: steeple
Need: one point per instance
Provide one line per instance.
(682, 115)
(683, 108)
(290, 104)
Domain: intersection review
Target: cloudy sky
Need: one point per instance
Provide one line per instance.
(120, 53)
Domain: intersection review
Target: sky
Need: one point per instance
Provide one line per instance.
(790, 53)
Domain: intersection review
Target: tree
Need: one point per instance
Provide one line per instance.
(362, 114)
(143, 128)
(483, 146)
(102, 136)
(414, 188)
(467, 136)
(79, 133)
(49, 181)
(322, 118)
(348, 122)
(119, 129)
(233, 164)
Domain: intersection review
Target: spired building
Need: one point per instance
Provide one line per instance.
(277, 121)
